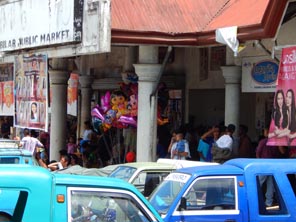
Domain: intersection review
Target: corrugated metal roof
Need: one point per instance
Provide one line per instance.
(192, 22)
(168, 16)
(240, 13)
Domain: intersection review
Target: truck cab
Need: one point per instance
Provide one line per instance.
(228, 192)
(48, 197)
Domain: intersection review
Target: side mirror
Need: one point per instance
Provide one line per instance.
(183, 204)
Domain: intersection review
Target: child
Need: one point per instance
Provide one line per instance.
(71, 146)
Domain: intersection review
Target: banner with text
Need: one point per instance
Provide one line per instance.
(282, 130)
(31, 91)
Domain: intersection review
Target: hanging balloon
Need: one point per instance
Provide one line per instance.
(127, 120)
(109, 118)
(97, 124)
(97, 112)
(105, 102)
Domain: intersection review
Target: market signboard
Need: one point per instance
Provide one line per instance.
(259, 74)
(35, 23)
(58, 28)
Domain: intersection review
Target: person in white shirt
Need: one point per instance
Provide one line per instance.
(222, 150)
(87, 131)
(30, 143)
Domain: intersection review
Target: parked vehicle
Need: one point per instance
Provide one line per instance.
(228, 192)
(49, 197)
(11, 153)
(146, 176)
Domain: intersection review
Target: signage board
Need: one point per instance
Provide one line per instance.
(57, 28)
(35, 23)
(259, 74)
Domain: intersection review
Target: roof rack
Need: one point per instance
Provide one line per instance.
(8, 143)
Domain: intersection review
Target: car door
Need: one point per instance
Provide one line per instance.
(98, 204)
(209, 199)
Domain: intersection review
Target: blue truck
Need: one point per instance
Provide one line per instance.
(230, 192)
(44, 196)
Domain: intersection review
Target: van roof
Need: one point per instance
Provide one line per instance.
(241, 165)
(39, 175)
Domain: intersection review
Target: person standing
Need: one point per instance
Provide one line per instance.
(173, 140)
(265, 151)
(87, 134)
(180, 149)
(222, 150)
(206, 142)
(245, 149)
(5, 128)
(71, 145)
(30, 143)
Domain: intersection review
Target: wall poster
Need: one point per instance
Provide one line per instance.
(31, 86)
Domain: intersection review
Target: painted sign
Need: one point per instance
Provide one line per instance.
(259, 74)
(34, 23)
(282, 130)
(31, 91)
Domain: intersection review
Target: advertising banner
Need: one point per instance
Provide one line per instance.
(7, 101)
(259, 74)
(6, 90)
(282, 130)
(72, 94)
(31, 91)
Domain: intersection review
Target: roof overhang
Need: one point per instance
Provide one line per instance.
(268, 27)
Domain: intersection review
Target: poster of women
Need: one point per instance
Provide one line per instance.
(31, 91)
(282, 130)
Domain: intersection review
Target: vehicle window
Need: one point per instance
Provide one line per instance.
(211, 194)
(12, 204)
(292, 180)
(270, 200)
(146, 182)
(123, 172)
(9, 160)
(164, 195)
(104, 206)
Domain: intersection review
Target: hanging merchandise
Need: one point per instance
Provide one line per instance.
(119, 108)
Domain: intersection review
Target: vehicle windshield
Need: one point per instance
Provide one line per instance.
(123, 172)
(164, 195)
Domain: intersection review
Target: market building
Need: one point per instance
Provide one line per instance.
(166, 41)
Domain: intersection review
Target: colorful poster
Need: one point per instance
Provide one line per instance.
(282, 130)
(6, 90)
(31, 91)
(72, 94)
(7, 101)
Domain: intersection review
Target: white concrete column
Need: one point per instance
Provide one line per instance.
(58, 126)
(232, 75)
(147, 108)
(86, 92)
